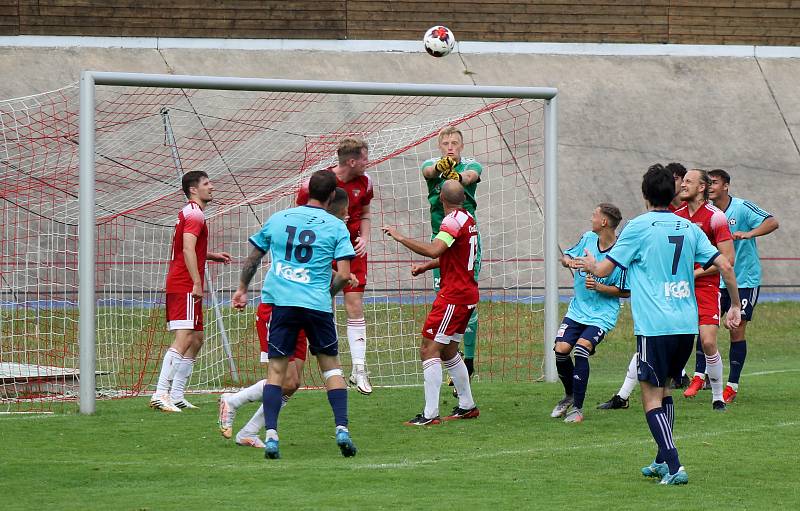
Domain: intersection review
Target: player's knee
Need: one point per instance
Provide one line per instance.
(331, 373)
(585, 343)
(563, 348)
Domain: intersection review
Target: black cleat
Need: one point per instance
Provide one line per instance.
(463, 413)
(614, 403)
(421, 420)
(719, 406)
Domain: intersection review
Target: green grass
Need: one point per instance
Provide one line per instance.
(514, 456)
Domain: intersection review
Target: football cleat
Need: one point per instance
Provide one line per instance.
(614, 403)
(561, 407)
(728, 395)
(345, 443)
(694, 387)
(163, 403)
(655, 470)
(183, 404)
(360, 379)
(463, 413)
(574, 415)
(679, 477)
(271, 451)
(719, 406)
(227, 414)
(421, 420)
(246, 440)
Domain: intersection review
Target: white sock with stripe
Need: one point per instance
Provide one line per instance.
(357, 340)
(458, 371)
(714, 370)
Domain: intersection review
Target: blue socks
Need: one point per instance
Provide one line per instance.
(736, 356)
(661, 430)
(272, 405)
(565, 369)
(338, 400)
(580, 376)
(700, 358)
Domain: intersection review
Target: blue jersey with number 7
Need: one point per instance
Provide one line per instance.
(658, 249)
(303, 242)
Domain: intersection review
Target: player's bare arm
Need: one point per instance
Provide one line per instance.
(432, 250)
(361, 242)
(469, 177)
(419, 269)
(249, 269)
(593, 284)
(725, 248)
(342, 277)
(734, 316)
(430, 172)
(568, 262)
(589, 264)
(220, 257)
(190, 258)
(767, 226)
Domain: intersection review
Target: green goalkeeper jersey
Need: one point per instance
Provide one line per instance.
(435, 186)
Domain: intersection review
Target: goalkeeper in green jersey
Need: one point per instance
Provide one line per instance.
(468, 172)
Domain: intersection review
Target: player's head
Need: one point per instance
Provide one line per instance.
(658, 186)
(678, 172)
(696, 185)
(720, 181)
(452, 194)
(353, 152)
(605, 216)
(321, 186)
(451, 142)
(338, 204)
(196, 186)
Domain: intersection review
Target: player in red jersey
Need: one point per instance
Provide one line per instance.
(185, 293)
(694, 190)
(353, 154)
(453, 251)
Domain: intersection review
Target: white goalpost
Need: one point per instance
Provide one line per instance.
(92, 190)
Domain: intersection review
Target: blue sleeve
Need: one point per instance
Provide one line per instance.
(626, 249)
(705, 252)
(617, 278)
(262, 239)
(344, 249)
(577, 249)
(755, 215)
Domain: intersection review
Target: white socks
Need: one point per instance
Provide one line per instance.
(458, 371)
(168, 367)
(631, 378)
(357, 339)
(714, 371)
(251, 394)
(183, 370)
(432, 372)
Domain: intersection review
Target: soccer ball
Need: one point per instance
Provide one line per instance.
(439, 41)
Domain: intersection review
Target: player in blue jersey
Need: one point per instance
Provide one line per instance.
(303, 242)
(592, 312)
(658, 249)
(747, 222)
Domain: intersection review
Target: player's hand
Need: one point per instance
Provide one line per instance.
(197, 290)
(360, 247)
(392, 231)
(239, 299)
(418, 269)
(447, 168)
(590, 282)
(741, 235)
(353, 281)
(586, 262)
(733, 318)
(220, 257)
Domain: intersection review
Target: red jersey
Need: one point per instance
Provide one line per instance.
(674, 209)
(359, 193)
(190, 220)
(714, 223)
(457, 264)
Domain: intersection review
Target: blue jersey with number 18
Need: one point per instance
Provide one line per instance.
(658, 249)
(303, 242)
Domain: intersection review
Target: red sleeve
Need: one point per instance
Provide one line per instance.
(193, 222)
(719, 226)
(368, 196)
(450, 226)
(302, 194)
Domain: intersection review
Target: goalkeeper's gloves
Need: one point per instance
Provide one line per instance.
(447, 168)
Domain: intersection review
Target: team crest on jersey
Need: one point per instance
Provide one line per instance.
(355, 193)
(731, 221)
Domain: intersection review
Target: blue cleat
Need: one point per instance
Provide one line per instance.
(655, 470)
(345, 443)
(271, 451)
(679, 477)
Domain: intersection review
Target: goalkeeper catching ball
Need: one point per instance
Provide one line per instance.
(468, 172)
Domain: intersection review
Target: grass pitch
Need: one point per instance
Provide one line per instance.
(514, 456)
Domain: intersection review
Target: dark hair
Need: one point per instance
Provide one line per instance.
(190, 179)
(677, 169)
(721, 174)
(321, 185)
(611, 212)
(658, 186)
(339, 201)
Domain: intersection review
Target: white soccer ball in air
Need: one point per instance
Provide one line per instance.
(439, 41)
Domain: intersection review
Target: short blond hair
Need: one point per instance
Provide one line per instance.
(450, 130)
(350, 147)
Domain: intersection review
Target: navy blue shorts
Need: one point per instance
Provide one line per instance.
(570, 331)
(749, 298)
(286, 323)
(662, 357)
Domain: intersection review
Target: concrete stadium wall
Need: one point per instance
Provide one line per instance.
(618, 114)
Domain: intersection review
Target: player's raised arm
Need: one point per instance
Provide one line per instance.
(433, 250)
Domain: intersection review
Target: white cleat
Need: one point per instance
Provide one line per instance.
(562, 407)
(247, 440)
(227, 414)
(183, 404)
(164, 403)
(360, 379)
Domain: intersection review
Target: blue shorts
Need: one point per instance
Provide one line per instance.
(662, 357)
(286, 323)
(570, 331)
(749, 298)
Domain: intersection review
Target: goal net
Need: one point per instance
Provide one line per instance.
(257, 147)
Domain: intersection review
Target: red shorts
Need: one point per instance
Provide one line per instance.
(708, 304)
(263, 314)
(358, 267)
(447, 322)
(184, 312)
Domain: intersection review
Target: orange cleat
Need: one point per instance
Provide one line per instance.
(694, 386)
(728, 395)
